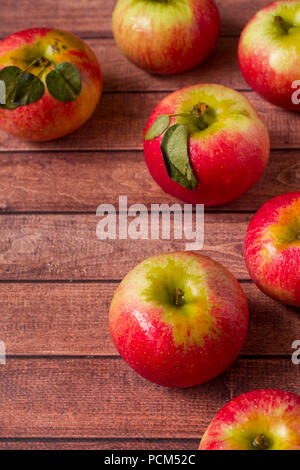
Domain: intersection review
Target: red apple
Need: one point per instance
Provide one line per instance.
(215, 149)
(179, 319)
(53, 83)
(272, 248)
(258, 420)
(166, 36)
(269, 53)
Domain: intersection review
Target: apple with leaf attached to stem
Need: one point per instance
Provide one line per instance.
(206, 144)
(53, 83)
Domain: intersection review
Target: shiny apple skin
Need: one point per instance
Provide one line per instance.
(48, 118)
(166, 38)
(179, 346)
(272, 249)
(270, 61)
(228, 157)
(272, 413)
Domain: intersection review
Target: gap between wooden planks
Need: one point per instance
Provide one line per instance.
(105, 398)
(73, 320)
(92, 18)
(120, 118)
(98, 444)
(65, 247)
(80, 181)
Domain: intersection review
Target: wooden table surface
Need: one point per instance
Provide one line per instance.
(64, 385)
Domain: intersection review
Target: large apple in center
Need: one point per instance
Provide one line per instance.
(272, 248)
(258, 420)
(269, 53)
(53, 83)
(166, 36)
(206, 144)
(179, 319)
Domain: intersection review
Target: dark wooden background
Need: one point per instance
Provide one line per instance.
(64, 385)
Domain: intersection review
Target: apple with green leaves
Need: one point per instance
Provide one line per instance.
(179, 319)
(272, 248)
(269, 53)
(52, 82)
(166, 36)
(258, 420)
(206, 144)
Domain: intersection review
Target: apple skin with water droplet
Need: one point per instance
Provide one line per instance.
(269, 53)
(272, 248)
(258, 420)
(179, 319)
(49, 118)
(228, 157)
(166, 36)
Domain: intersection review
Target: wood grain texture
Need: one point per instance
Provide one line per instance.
(65, 247)
(120, 118)
(70, 182)
(120, 75)
(72, 320)
(104, 398)
(100, 444)
(92, 18)
(63, 379)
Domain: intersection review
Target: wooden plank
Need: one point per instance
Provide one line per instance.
(92, 18)
(79, 182)
(72, 320)
(121, 75)
(65, 247)
(100, 444)
(120, 118)
(104, 398)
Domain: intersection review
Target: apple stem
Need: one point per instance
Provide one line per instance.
(201, 115)
(39, 62)
(179, 300)
(285, 26)
(260, 442)
(298, 236)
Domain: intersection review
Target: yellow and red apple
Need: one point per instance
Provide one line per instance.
(53, 83)
(206, 144)
(179, 319)
(272, 248)
(166, 36)
(258, 420)
(269, 53)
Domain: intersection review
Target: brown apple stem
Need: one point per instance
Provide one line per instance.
(285, 26)
(38, 62)
(179, 300)
(260, 442)
(200, 113)
(298, 236)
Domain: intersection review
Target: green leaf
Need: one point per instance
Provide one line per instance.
(158, 127)
(174, 148)
(9, 76)
(64, 82)
(29, 89)
(21, 88)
